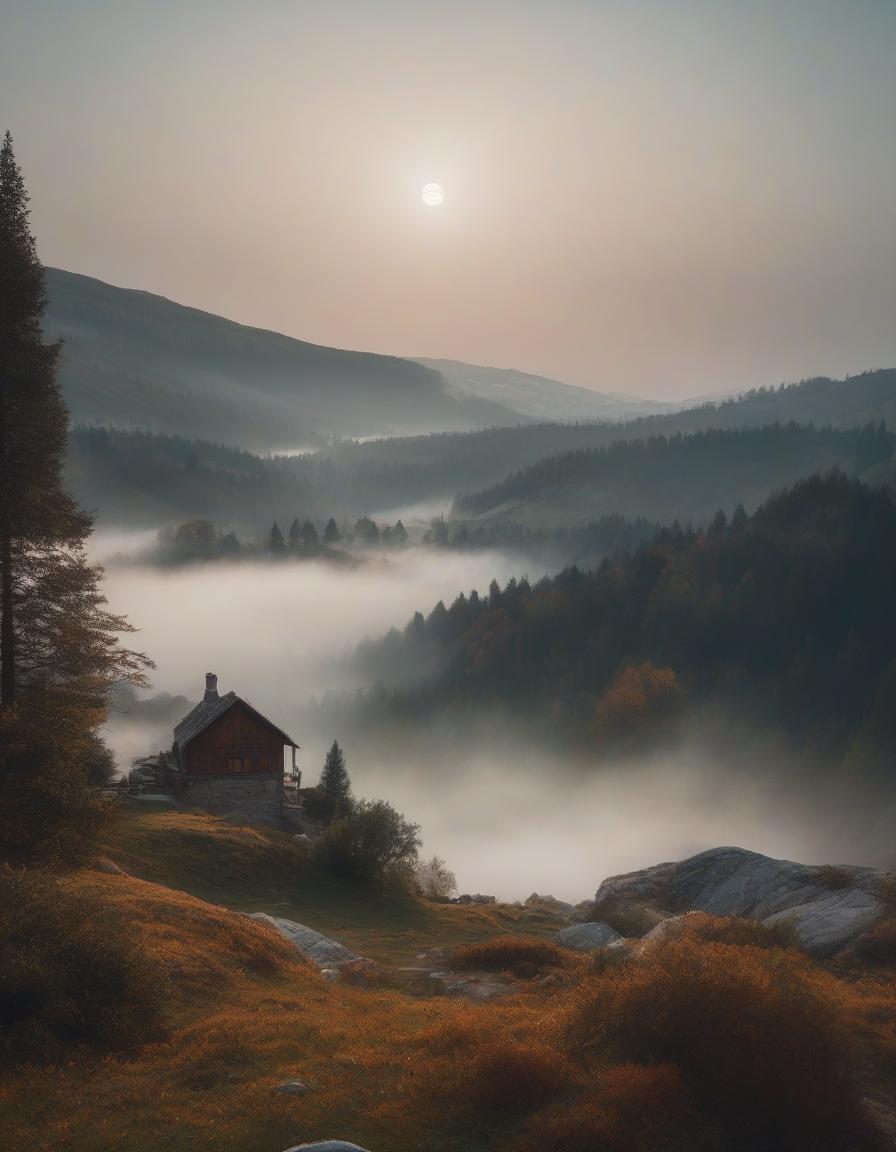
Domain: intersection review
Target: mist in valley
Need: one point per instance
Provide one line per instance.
(509, 814)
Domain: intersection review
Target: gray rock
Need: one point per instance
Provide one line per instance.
(108, 867)
(829, 907)
(329, 1146)
(326, 953)
(302, 837)
(155, 798)
(291, 1088)
(587, 937)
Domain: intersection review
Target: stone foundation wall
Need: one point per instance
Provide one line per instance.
(259, 797)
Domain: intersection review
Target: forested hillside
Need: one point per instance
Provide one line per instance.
(136, 360)
(539, 397)
(784, 617)
(683, 477)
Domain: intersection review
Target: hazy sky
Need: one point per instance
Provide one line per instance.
(669, 198)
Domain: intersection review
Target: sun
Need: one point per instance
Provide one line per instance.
(433, 194)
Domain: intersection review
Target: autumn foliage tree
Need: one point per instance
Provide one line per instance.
(59, 645)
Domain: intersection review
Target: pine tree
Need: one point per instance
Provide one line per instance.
(309, 535)
(332, 535)
(275, 540)
(334, 780)
(59, 645)
(295, 533)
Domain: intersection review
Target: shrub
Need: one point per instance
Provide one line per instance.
(435, 879)
(512, 1076)
(758, 1034)
(318, 805)
(373, 843)
(70, 974)
(735, 930)
(629, 1108)
(628, 918)
(522, 955)
(830, 876)
(878, 944)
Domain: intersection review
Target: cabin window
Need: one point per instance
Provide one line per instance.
(235, 764)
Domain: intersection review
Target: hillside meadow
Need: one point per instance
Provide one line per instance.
(717, 1039)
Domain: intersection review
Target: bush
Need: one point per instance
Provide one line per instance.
(318, 805)
(630, 1108)
(734, 930)
(758, 1034)
(878, 944)
(510, 1076)
(435, 880)
(628, 918)
(374, 843)
(69, 973)
(521, 955)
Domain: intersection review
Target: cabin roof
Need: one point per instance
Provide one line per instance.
(207, 712)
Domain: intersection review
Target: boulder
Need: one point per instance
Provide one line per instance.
(828, 907)
(155, 798)
(291, 1088)
(108, 867)
(326, 953)
(587, 937)
(329, 1146)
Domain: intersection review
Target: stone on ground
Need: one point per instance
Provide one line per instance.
(586, 937)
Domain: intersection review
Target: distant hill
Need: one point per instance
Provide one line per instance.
(136, 360)
(683, 477)
(539, 397)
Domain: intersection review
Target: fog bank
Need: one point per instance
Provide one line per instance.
(509, 815)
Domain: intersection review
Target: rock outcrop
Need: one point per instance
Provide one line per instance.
(323, 951)
(329, 1146)
(587, 937)
(829, 907)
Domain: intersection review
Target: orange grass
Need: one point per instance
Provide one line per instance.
(521, 955)
(621, 1061)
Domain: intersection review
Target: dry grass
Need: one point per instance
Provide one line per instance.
(524, 956)
(705, 1042)
(263, 870)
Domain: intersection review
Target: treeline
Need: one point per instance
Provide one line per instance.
(785, 615)
(141, 477)
(604, 537)
(200, 540)
(687, 477)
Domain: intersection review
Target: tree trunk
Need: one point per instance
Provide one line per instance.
(7, 626)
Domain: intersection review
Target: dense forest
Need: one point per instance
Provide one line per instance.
(466, 462)
(142, 478)
(680, 477)
(785, 616)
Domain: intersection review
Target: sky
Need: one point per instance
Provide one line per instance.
(670, 198)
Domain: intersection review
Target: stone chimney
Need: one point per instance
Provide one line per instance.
(211, 687)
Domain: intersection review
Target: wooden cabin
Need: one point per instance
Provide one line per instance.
(228, 756)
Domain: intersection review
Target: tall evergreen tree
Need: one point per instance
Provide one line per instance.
(332, 535)
(59, 646)
(295, 533)
(334, 780)
(275, 540)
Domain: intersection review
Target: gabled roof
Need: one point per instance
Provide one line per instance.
(207, 711)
